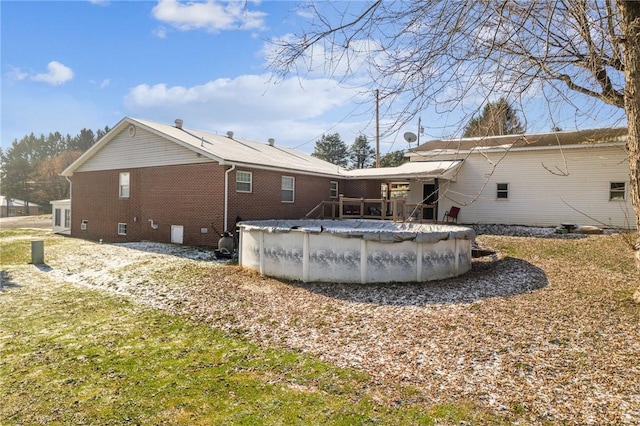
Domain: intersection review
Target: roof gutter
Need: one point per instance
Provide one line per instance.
(226, 195)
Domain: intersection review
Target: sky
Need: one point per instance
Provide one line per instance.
(71, 65)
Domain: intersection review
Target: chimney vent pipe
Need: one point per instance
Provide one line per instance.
(272, 141)
(178, 123)
(230, 134)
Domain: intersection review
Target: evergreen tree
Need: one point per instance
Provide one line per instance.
(393, 159)
(361, 154)
(332, 149)
(30, 167)
(497, 118)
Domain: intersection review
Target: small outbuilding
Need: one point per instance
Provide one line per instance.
(61, 216)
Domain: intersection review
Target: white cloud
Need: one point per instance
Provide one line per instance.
(210, 16)
(105, 83)
(248, 95)
(57, 74)
(99, 2)
(16, 74)
(292, 111)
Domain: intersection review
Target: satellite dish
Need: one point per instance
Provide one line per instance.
(410, 137)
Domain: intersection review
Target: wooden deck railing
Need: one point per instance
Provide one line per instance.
(397, 210)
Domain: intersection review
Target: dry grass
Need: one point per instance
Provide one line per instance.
(545, 333)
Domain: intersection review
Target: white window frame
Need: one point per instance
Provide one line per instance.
(244, 182)
(67, 218)
(122, 228)
(333, 189)
(124, 188)
(504, 191)
(617, 194)
(292, 190)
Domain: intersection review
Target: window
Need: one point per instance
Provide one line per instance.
(617, 191)
(67, 218)
(288, 189)
(502, 191)
(399, 190)
(334, 189)
(124, 185)
(244, 181)
(57, 217)
(122, 229)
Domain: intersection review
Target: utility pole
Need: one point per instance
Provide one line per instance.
(377, 128)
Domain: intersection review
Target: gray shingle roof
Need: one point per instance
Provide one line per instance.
(580, 137)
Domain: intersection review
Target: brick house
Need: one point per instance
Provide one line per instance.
(149, 181)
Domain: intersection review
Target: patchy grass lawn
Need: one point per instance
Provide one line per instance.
(73, 355)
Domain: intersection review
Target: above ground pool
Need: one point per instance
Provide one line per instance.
(355, 251)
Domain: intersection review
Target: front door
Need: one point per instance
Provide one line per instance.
(177, 234)
(430, 196)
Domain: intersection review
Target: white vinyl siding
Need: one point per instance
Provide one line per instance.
(244, 181)
(148, 151)
(123, 190)
(575, 194)
(288, 189)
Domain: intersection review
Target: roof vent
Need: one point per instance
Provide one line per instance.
(272, 141)
(230, 134)
(178, 123)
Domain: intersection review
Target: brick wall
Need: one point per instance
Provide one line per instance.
(192, 196)
(186, 195)
(265, 200)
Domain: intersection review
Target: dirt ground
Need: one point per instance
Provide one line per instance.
(38, 222)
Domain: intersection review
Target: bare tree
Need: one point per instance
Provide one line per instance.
(438, 53)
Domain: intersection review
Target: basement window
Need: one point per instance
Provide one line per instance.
(122, 229)
(244, 181)
(617, 191)
(502, 191)
(288, 189)
(334, 189)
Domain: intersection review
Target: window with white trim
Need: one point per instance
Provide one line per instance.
(67, 218)
(617, 191)
(124, 185)
(288, 189)
(244, 181)
(122, 229)
(502, 191)
(334, 189)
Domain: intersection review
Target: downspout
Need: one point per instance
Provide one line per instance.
(226, 195)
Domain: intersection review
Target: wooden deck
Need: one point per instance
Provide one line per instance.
(397, 210)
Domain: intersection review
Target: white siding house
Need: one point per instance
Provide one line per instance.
(536, 180)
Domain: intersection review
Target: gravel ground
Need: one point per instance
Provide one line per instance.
(533, 338)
